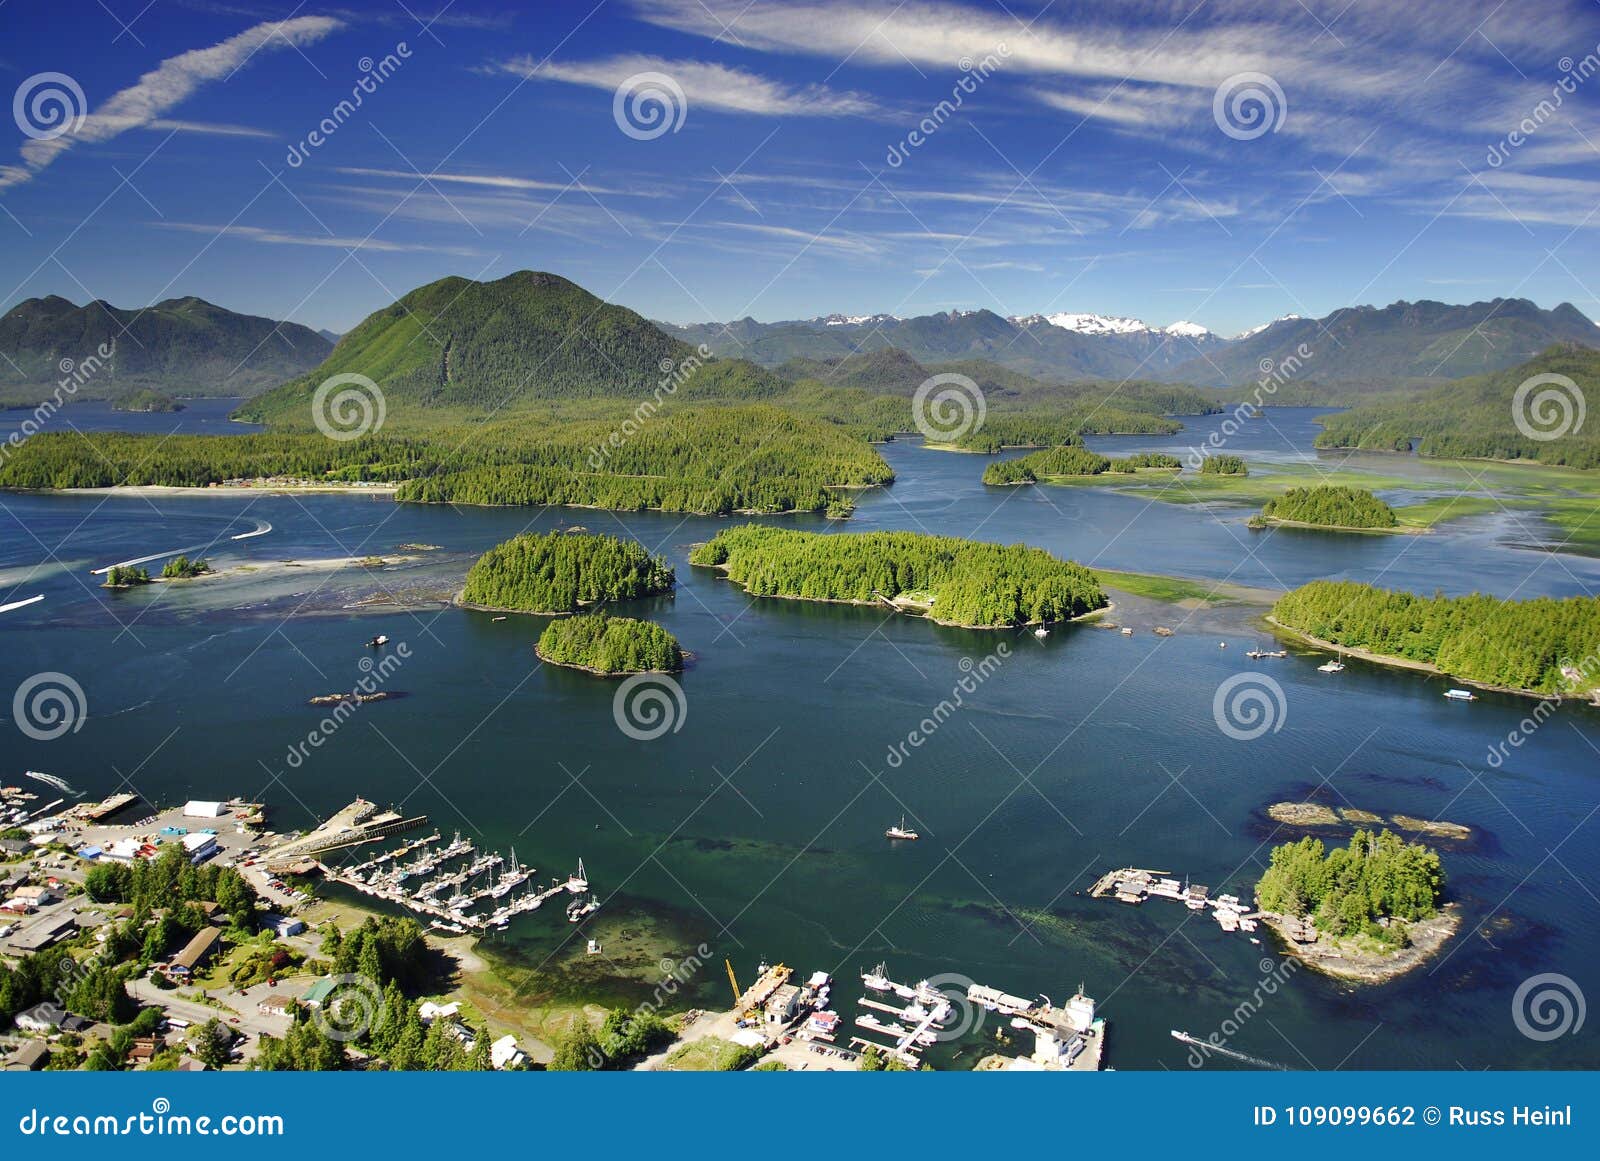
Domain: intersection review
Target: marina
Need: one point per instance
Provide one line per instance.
(1133, 885)
(457, 890)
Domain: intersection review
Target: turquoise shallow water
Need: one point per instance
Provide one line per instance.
(757, 825)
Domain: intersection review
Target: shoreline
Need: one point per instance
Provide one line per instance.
(158, 490)
(908, 607)
(589, 669)
(1428, 937)
(1418, 666)
(1259, 521)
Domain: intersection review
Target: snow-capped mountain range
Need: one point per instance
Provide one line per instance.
(1357, 343)
(1109, 324)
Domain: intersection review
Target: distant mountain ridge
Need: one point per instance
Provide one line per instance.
(1403, 341)
(182, 346)
(1035, 345)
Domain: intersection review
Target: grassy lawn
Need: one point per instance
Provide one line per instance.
(1569, 498)
(1169, 588)
(708, 1054)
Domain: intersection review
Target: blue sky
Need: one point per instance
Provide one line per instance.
(1093, 162)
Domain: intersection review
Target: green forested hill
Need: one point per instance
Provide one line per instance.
(1476, 418)
(183, 346)
(459, 348)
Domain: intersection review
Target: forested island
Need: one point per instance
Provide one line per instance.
(1524, 646)
(705, 460)
(1073, 460)
(609, 645)
(965, 583)
(1223, 466)
(146, 399)
(122, 576)
(1328, 506)
(561, 572)
(1367, 911)
(182, 568)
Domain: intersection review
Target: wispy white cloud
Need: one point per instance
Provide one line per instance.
(495, 181)
(165, 87)
(268, 237)
(705, 85)
(207, 128)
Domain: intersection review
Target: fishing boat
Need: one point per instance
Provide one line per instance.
(900, 832)
(1041, 632)
(1460, 695)
(1126, 631)
(380, 639)
(878, 979)
(497, 618)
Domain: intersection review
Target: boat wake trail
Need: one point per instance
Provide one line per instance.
(60, 784)
(21, 604)
(261, 529)
(1206, 1048)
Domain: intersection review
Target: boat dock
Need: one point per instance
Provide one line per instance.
(1071, 1038)
(1133, 885)
(360, 822)
(439, 883)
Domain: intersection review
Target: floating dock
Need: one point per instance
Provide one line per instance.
(1133, 885)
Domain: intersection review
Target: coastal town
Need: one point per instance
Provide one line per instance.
(238, 957)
